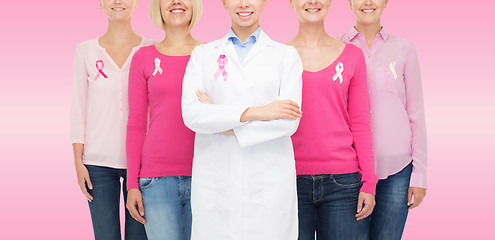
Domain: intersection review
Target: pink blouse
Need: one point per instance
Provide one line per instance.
(99, 104)
(396, 100)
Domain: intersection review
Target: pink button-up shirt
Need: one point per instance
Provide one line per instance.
(396, 104)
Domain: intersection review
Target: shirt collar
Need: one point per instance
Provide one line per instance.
(383, 33)
(253, 38)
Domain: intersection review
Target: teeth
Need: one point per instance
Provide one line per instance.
(118, 9)
(244, 14)
(313, 10)
(177, 11)
(368, 10)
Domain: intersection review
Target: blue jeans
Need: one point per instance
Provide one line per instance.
(167, 207)
(327, 206)
(389, 216)
(105, 207)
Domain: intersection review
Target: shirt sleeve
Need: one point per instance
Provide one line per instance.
(256, 132)
(359, 119)
(137, 122)
(79, 99)
(205, 118)
(416, 113)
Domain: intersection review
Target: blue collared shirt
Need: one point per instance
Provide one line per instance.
(243, 49)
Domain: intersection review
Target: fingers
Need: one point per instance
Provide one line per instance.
(141, 208)
(288, 104)
(365, 212)
(203, 97)
(292, 103)
(416, 202)
(415, 197)
(229, 132)
(84, 189)
(359, 211)
(409, 197)
(88, 181)
(131, 206)
(288, 114)
(368, 201)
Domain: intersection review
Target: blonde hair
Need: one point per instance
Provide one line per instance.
(156, 13)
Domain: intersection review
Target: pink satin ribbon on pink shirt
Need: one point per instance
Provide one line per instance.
(222, 62)
(99, 67)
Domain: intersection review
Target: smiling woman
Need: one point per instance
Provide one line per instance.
(99, 117)
(160, 159)
(336, 179)
(241, 95)
(398, 121)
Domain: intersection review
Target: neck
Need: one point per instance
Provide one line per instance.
(369, 31)
(311, 34)
(177, 37)
(244, 32)
(119, 32)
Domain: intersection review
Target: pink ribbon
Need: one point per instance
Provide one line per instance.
(222, 62)
(99, 66)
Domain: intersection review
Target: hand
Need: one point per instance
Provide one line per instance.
(229, 132)
(416, 193)
(368, 200)
(83, 179)
(134, 198)
(279, 109)
(203, 97)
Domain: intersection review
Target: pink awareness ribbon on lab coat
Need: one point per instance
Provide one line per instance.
(99, 66)
(222, 62)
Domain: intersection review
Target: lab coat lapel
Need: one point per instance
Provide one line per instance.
(262, 42)
(227, 47)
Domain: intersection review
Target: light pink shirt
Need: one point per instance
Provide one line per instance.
(396, 103)
(334, 134)
(99, 104)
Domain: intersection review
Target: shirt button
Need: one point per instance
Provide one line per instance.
(371, 130)
(371, 111)
(371, 92)
(369, 56)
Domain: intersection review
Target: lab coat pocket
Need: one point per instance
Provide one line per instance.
(279, 182)
(203, 181)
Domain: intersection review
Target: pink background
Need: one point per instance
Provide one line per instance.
(39, 195)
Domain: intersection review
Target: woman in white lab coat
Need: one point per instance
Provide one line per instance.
(243, 180)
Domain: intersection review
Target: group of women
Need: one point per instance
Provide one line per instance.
(212, 141)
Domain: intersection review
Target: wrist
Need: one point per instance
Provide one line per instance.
(248, 115)
(78, 161)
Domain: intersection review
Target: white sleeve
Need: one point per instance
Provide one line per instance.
(205, 118)
(79, 99)
(256, 132)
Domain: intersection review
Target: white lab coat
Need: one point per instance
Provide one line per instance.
(243, 186)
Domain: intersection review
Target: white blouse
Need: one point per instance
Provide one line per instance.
(99, 107)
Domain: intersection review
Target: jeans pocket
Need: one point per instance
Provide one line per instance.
(145, 182)
(349, 180)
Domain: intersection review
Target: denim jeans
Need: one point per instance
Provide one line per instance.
(105, 207)
(327, 206)
(167, 207)
(389, 216)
